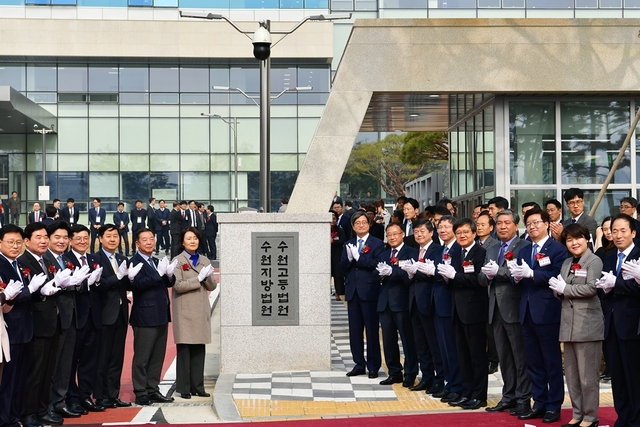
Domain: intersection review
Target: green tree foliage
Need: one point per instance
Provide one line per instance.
(425, 147)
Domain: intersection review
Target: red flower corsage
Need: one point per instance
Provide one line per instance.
(70, 266)
(96, 266)
(540, 256)
(508, 256)
(365, 249)
(394, 261)
(467, 263)
(3, 285)
(445, 257)
(26, 272)
(185, 267)
(575, 267)
(52, 269)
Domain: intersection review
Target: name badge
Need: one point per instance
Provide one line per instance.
(122, 223)
(469, 269)
(544, 261)
(139, 220)
(402, 263)
(627, 276)
(97, 219)
(71, 220)
(581, 273)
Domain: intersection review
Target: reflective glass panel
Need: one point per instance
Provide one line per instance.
(73, 184)
(549, 4)
(194, 80)
(163, 79)
(103, 79)
(14, 76)
(247, 79)
(41, 78)
(457, 4)
(72, 79)
(134, 79)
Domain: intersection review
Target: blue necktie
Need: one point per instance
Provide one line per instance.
(359, 245)
(620, 261)
(503, 250)
(533, 254)
(15, 267)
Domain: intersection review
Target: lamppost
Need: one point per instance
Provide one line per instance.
(262, 44)
(233, 124)
(44, 131)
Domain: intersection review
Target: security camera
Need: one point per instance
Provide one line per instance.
(261, 44)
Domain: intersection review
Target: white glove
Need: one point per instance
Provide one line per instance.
(521, 271)
(94, 277)
(347, 249)
(133, 271)
(205, 272)
(13, 289)
(557, 284)
(122, 270)
(633, 268)
(49, 288)
(490, 269)
(606, 282)
(171, 267)
(427, 267)
(79, 275)
(162, 266)
(36, 282)
(63, 278)
(384, 269)
(446, 271)
(511, 264)
(410, 267)
(354, 253)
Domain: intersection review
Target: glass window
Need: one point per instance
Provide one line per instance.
(549, 4)
(318, 78)
(41, 78)
(342, 5)
(194, 98)
(34, 162)
(247, 79)
(104, 184)
(513, 3)
(291, 4)
(134, 79)
(134, 98)
(103, 79)
(611, 3)
(140, 2)
(249, 136)
(194, 162)
(73, 184)
(134, 162)
(221, 185)
(518, 197)
(253, 4)
(164, 111)
(37, 1)
(14, 76)
(195, 185)
(164, 162)
(632, 4)
(11, 143)
(194, 135)
(316, 4)
(488, 3)
(283, 78)
(73, 135)
(72, 79)
(205, 4)
(165, 136)
(134, 135)
(369, 5)
(163, 79)
(457, 4)
(609, 205)
(221, 162)
(103, 162)
(586, 3)
(135, 185)
(35, 179)
(134, 111)
(532, 142)
(42, 97)
(165, 3)
(165, 181)
(73, 162)
(194, 80)
(164, 98)
(64, 2)
(284, 135)
(221, 136)
(284, 162)
(306, 130)
(98, 110)
(404, 4)
(592, 134)
(103, 135)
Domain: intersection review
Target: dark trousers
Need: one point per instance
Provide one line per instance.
(175, 245)
(62, 371)
(363, 316)
(391, 323)
(447, 345)
(190, 368)
(149, 346)
(625, 372)
(471, 344)
(124, 235)
(94, 237)
(213, 252)
(163, 240)
(41, 366)
(544, 363)
(111, 359)
(429, 357)
(492, 351)
(84, 366)
(12, 386)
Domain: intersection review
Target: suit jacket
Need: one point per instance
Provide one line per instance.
(361, 275)
(151, 217)
(88, 305)
(138, 219)
(48, 221)
(175, 218)
(66, 298)
(1, 219)
(587, 221)
(489, 241)
(623, 301)
(441, 295)
(470, 299)
(113, 292)
(501, 289)
(121, 217)
(543, 305)
(150, 297)
(211, 225)
(162, 215)
(93, 217)
(45, 309)
(581, 317)
(66, 216)
(421, 288)
(35, 216)
(394, 289)
(345, 223)
(20, 319)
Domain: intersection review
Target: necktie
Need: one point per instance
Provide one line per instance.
(393, 253)
(59, 259)
(83, 260)
(464, 253)
(573, 220)
(71, 212)
(182, 213)
(360, 245)
(409, 228)
(534, 252)
(445, 252)
(114, 264)
(421, 256)
(15, 267)
(620, 261)
(503, 250)
(153, 264)
(44, 268)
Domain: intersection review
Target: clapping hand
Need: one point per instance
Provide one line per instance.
(490, 269)
(606, 282)
(205, 272)
(79, 275)
(133, 271)
(171, 267)
(13, 289)
(49, 288)
(347, 249)
(162, 266)
(446, 271)
(354, 252)
(94, 277)
(557, 284)
(63, 278)
(632, 268)
(37, 281)
(122, 270)
(427, 267)
(384, 269)
(410, 267)
(520, 271)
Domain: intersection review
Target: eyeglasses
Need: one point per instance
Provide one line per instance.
(80, 239)
(13, 242)
(625, 207)
(361, 223)
(463, 232)
(393, 234)
(575, 202)
(533, 223)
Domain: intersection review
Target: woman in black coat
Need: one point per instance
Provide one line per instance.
(337, 242)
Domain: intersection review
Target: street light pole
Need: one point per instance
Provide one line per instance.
(44, 131)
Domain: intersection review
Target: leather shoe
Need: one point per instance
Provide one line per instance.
(441, 394)
(422, 385)
(202, 394)
(76, 407)
(121, 403)
(575, 424)
(501, 406)
(90, 406)
(51, 419)
(493, 368)
(157, 397)
(521, 408)
(355, 372)
(459, 402)
(474, 404)
(534, 413)
(66, 412)
(185, 395)
(373, 374)
(106, 403)
(435, 388)
(30, 421)
(391, 380)
(450, 397)
(551, 417)
(408, 382)
(143, 400)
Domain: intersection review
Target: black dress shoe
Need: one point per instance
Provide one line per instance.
(157, 397)
(534, 413)
(76, 407)
(551, 417)
(576, 424)
(30, 421)
(422, 385)
(521, 408)
(391, 380)
(493, 368)
(408, 382)
(474, 404)
(459, 402)
(90, 406)
(185, 395)
(50, 419)
(202, 394)
(501, 406)
(450, 397)
(355, 372)
(106, 403)
(66, 412)
(373, 374)
(121, 403)
(143, 400)
(435, 388)
(442, 394)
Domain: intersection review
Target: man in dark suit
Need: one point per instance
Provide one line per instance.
(121, 220)
(411, 209)
(70, 214)
(162, 228)
(45, 330)
(151, 215)
(485, 226)
(211, 231)
(470, 314)
(36, 215)
(621, 292)
(176, 217)
(97, 217)
(138, 217)
(203, 248)
(422, 311)
(114, 283)
(574, 198)
(540, 315)
(554, 209)
(84, 364)
(51, 212)
(504, 314)
(393, 308)
(344, 221)
(361, 291)
(149, 318)
(1, 219)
